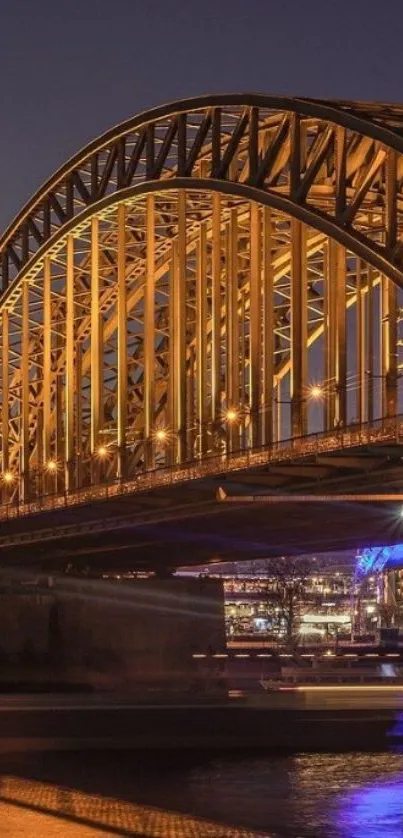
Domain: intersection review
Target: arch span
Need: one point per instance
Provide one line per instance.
(206, 278)
(341, 161)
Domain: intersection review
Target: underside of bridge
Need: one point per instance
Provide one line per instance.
(189, 524)
(213, 280)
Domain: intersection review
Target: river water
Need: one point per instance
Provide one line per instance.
(165, 795)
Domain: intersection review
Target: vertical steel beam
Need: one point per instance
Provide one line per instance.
(149, 333)
(268, 327)
(5, 395)
(69, 397)
(370, 321)
(79, 414)
(298, 329)
(389, 347)
(331, 334)
(171, 381)
(39, 487)
(191, 403)
(47, 369)
(96, 350)
(242, 368)
(360, 345)
(328, 384)
(201, 336)
(216, 312)
(278, 411)
(179, 326)
(24, 467)
(255, 331)
(232, 328)
(60, 325)
(341, 338)
(122, 343)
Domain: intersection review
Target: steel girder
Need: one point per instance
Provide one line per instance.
(163, 294)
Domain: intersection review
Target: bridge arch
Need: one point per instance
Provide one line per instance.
(164, 293)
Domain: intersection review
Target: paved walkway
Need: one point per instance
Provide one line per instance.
(23, 823)
(62, 809)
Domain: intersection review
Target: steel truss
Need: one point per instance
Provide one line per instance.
(177, 288)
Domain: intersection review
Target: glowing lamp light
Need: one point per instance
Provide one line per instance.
(231, 415)
(102, 451)
(161, 435)
(8, 477)
(51, 466)
(401, 512)
(316, 392)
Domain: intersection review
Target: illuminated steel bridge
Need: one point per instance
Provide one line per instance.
(208, 279)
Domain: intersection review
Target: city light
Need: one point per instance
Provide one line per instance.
(161, 435)
(51, 466)
(231, 415)
(102, 451)
(8, 477)
(401, 512)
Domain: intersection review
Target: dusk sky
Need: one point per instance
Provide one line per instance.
(70, 70)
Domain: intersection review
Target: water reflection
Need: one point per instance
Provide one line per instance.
(373, 812)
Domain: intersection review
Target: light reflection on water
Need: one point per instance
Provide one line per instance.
(312, 795)
(356, 795)
(373, 812)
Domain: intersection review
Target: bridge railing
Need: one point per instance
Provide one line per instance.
(381, 430)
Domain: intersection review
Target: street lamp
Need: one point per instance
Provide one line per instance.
(161, 435)
(8, 477)
(231, 415)
(316, 392)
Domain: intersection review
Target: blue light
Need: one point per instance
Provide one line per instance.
(375, 559)
(372, 812)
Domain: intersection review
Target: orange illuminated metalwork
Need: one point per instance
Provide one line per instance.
(183, 279)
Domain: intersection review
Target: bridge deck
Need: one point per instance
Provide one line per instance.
(168, 519)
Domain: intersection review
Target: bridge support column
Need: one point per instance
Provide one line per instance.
(370, 320)
(122, 344)
(361, 338)
(232, 331)
(201, 337)
(79, 416)
(96, 354)
(268, 328)
(216, 314)
(341, 343)
(255, 331)
(336, 352)
(46, 375)
(177, 303)
(389, 347)
(149, 334)
(24, 463)
(5, 402)
(298, 330)
(69, 377)
(59, 407)
(329, 314)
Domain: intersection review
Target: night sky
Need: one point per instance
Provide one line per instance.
(70, 69)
